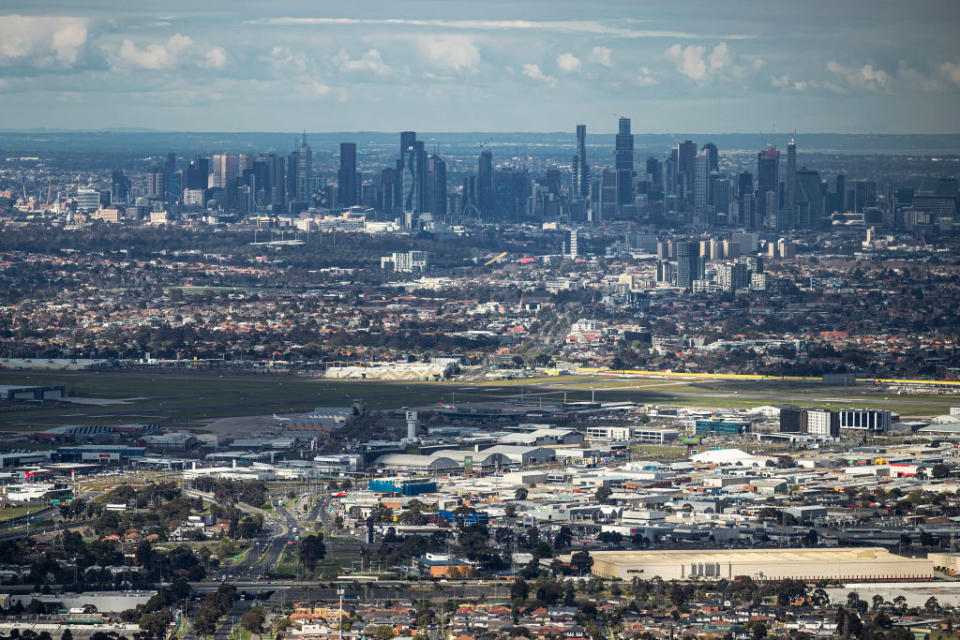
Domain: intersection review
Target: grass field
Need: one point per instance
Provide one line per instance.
(187, 399)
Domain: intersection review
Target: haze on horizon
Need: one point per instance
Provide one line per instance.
(861, 66)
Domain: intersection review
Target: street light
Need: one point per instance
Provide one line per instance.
(340, 593)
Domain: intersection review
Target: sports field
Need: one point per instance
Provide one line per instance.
(190, 399)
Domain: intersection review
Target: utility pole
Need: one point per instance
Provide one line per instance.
(340, 612)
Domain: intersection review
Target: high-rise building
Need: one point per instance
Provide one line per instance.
(303, 183)
(581, 170)
(689, 264)
(733, 276)
(156, 180)
(714, 156)
(485, 194)
(436, 193)
(789, 214)
(654, 171)
(608, 188)
(701, 172)
(224, 169)
(387, 190)
(768, 180)
(686, 153)
(745, 200)
(512, 189)
(623, 163)
(348, 180)
(119, 187)
(198, 174)
(809, 200)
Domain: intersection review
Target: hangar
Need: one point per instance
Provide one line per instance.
(857, 563)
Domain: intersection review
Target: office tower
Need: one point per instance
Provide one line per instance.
(485, 193)
(745, 199)
(581, 170)
(623, 163)
(348, 182)
(407, 138)
(670, 176)
(119, 187)
(303, 172)
(571, 242)
(655, 171)
(436, 193)
(224, 168)
(790, 190)
(155, 182)
(607, 205)
(244, 162)
(838, 197)
(864, 194)
(174, 190)
(689, 264)
(686, 156)
(198, 173)
(512, 189)
(714, 156)
(701, 171)
(469, 205)
(733, 276)
(552, 180)
(721, 193)
(809, 200)
(387, 199)
(768, 181)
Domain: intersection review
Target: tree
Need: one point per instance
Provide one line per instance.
(602, 494)
(563, 538)
(521, 493)
(877, 601)
(581, 561)
(940, 471)
(252, 620)
(384, 632)
(519, 589)
(312, 550)
(931, 605)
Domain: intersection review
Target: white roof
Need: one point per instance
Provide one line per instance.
(728, 456)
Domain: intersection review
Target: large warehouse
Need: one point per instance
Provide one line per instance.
(864, 563)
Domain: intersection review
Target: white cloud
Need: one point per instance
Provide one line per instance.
(42, 41)
(951, 71)
(643, 78)
(689, 60)
(451, 53)
(865, 77)
(602, 56)
(178, 51)
(785, 82)
(592, 27)
(284, 57)
(370, 61)
(533, 72)
(568, 63)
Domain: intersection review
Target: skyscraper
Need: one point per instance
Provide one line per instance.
(768, 180)
(348, 183)
(198, 173)
(224, 168)
(119, 187)
(714, 157)
(436, 193)
(789, 213)
(686, 155)
(689, 264)
(809, 200)
(701, 173)
(623, 163)
(581, 170)
(485, 195)
(303, 184)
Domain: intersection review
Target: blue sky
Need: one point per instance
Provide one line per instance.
(441, 65)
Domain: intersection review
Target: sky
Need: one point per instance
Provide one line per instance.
(720, 66)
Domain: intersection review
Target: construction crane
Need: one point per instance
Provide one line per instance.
(494, 259)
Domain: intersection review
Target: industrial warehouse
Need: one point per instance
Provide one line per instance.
(865, 563)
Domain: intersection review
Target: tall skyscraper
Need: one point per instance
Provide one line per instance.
(686, 156)
(809, 200)
(689, 264)
(789, 212)
(581, 170)
(655, 171)
(701, 174)
(714, 157)
(224, 169)
(303, 184)
(348, 182)
(198, 173)
(623, 163)
(436, 193)
(608, 195)
(119, 187)
(485, 193)
(156, 180)
(768, 180)
(746, 200)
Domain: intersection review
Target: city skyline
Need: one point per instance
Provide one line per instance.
(696, 68)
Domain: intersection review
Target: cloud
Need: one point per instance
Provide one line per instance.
(370, 61)
(785, 82)
(42, 41)
(643, 78)
(178, 51)
(533, 72)
(450, 53)
(689, 60)
(865, 77)
(568, 63)
(283, 58)
(612, 28)
(602, 56)
(915, 78)
(701, 64)
(951, 71)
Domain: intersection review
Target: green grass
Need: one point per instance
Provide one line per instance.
(15, 512)
(287, 567)
(187, 399)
